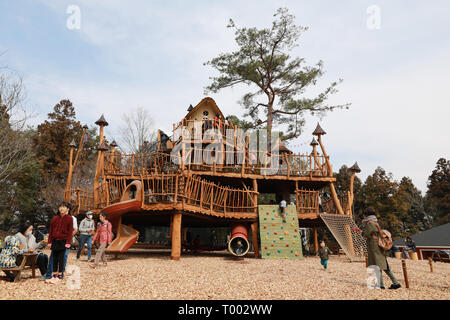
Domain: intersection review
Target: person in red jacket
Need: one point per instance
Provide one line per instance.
(104, 236)
(60, 238)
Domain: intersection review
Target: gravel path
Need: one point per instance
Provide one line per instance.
(152, 275)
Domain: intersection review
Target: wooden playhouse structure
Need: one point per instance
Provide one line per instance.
(185, 183)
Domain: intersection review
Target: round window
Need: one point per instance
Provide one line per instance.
(205, 113)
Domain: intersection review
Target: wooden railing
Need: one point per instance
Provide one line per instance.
(329, 207)
(81, 200)
(137, 164)
(217, 198)
(307, 201)
(219, 161)
(171, 188)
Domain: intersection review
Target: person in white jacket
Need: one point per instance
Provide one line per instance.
(87, 229)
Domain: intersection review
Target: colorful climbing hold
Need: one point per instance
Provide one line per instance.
(272, 244)
(296, 254)
(275, 232)
(295, 230)
(265, 247)
(278, 251)
(286, 233)
(281, 238)
(292, 225)
(293, 242)
(287, 244)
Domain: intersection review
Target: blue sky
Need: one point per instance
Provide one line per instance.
(150, 54)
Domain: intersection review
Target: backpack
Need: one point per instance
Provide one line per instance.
(384, 238)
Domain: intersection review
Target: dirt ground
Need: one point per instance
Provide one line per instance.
(152, 275)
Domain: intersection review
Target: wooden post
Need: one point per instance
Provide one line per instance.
(367, 261)
(212, 197)
(430, 261)
(255, 196)
(254, 227)
(316, 242)
(176, 189)
(405, 273)
(69, 177)
(176, 237)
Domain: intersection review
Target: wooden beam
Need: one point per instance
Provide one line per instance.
(316, 241)
(176, 236)
(254, 227)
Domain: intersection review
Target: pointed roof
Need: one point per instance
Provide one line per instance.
(209, 101)
(103, 146)
(101, 121)
(113, 143)
(72, 144)
(85, 127)
(355, 168)
(282, 148)
(319, 131)
(313, 142)
(190, 108)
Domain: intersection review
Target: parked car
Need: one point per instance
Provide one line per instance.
(441, 255)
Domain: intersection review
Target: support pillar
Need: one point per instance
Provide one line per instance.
(176, 236)
(316, 241)
(254, 227)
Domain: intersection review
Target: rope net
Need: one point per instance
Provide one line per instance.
(347, 234)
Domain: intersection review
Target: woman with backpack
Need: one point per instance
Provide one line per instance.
(376, 254)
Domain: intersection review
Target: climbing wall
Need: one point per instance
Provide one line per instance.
(279, 239)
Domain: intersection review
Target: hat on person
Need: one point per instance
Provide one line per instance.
(89, 213)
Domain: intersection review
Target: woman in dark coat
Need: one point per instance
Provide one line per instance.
(376, 255)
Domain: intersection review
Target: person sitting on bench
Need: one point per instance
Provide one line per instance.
(10, 251)
(28, 240)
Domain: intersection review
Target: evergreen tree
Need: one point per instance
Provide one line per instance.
(438, 193)
(264, 61)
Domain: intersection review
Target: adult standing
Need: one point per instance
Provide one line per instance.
(376, 255)
(87, 229)
(28, 240)
(59, 239)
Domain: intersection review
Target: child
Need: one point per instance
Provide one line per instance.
(59, 239)
(104, 236)
(324, 255)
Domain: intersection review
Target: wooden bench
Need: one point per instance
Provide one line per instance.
(26, 261)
